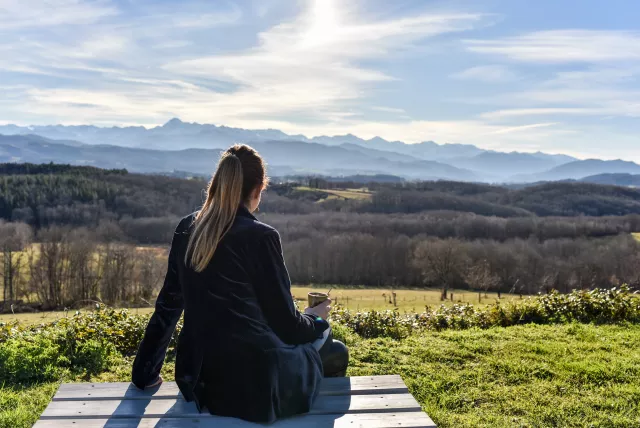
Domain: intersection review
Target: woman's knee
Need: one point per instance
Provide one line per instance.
(336, 359)
(341, 351)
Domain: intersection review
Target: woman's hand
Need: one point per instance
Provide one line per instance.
(322, 310)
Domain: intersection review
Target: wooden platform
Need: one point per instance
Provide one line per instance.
(356, 402)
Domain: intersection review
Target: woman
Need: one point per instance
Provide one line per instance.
(244, 350)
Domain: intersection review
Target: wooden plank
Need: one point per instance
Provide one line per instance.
(362, 420)
(151, 408)
(360, 385)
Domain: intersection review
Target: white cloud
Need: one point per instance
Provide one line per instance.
(547, 111)
(388, 109)
(487, 73)
(564, 46)
(16, 14)
(310, 67)
(312, 64)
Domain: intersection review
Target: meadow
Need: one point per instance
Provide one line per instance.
(357, 194)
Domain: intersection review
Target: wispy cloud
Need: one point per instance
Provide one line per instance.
(388, 109)
(313, 62)
(487, 73)
(15, 14)
(564, 46)
(310, 67)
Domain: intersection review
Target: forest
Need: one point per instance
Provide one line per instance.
(71, 234)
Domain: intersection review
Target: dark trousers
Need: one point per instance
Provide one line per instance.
(335, 357)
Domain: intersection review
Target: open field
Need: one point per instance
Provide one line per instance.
(406, 300)
(354, 299)
(527, 376)
(342, 193)
(636, 235)
(49, 316)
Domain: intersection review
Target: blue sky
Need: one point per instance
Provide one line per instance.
(556, 76)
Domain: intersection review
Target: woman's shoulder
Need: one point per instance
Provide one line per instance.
(255, 226)
(184, 225)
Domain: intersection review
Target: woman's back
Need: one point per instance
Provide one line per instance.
(244, 349)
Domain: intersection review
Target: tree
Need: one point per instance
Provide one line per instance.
(441, 262)
(14, 237)
(480, 277)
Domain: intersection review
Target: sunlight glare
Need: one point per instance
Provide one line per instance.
(324, 23)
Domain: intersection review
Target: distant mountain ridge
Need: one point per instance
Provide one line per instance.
(577, 170)
(193, 148)
(629, 180)
(176, 135)
(283, 157)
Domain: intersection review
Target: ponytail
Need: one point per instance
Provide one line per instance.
(239, 172)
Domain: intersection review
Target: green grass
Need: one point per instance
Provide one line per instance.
(527, 376)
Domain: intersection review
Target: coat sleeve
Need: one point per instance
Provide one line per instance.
(168, 309)
(273, 288)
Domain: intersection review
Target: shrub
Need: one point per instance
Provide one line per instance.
(93, 356)
(31, 358)
(375, 324)
(117, 327)
(595, 306)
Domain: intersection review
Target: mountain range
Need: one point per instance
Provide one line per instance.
(194, 148)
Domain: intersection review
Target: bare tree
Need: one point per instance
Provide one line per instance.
(479, 276)
(14, 237)
(441, 262)
(118, 264)
(49, 267)
(150, 272)
(84, 262)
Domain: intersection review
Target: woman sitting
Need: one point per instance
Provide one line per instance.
(244, 350)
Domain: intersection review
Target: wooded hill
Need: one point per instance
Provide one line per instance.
(49, 194)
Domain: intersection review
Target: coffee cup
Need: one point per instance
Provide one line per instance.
(316, 298)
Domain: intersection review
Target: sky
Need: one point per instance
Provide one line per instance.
(509, 75)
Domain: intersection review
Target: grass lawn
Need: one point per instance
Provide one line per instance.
(355, 299)
(526, 376)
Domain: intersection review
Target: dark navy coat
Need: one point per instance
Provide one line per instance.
(244, 351)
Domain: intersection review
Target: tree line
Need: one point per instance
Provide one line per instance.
(62, 267)
(71, 267)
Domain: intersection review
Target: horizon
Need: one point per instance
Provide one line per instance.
(500, 75)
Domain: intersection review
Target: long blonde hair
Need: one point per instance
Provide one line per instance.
(240, 171)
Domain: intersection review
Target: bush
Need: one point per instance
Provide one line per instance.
(117, 327)
(93, 356)
(596, 306)
(32, 358)
(375, 323)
